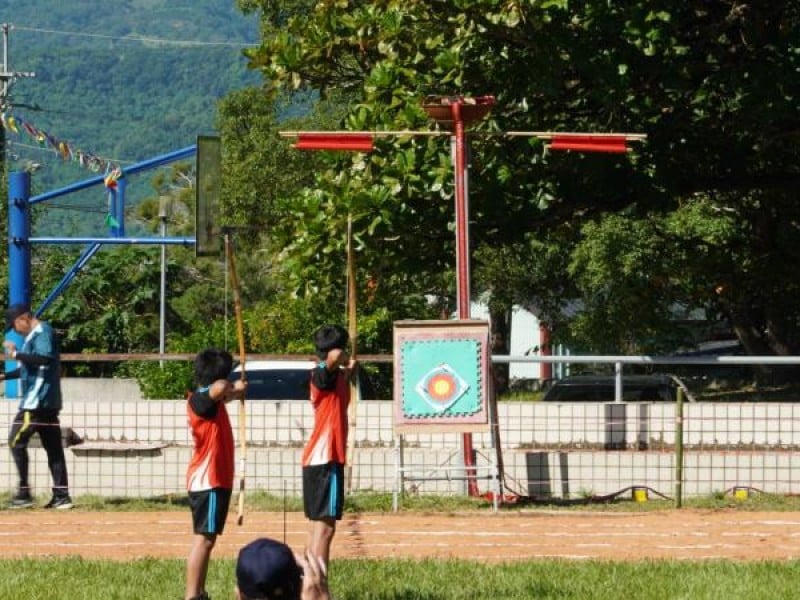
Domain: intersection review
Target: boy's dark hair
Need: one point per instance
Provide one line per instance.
(14, 312)
(329, 337)
(212, 364)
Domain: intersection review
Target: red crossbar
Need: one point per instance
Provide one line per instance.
(334, 141)
(615, 144)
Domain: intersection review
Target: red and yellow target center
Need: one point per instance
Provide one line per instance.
(441, 387)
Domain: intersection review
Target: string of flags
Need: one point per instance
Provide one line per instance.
(112, 172)
(65, 150)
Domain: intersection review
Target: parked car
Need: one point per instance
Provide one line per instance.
(598, 388)
(283, 380)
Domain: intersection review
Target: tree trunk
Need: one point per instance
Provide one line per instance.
(500, 340)
(763, 340)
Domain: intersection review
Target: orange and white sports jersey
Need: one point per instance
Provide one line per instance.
(212, 463)
(330, 396)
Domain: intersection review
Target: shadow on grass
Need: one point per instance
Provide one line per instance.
(524, 591)
(118, 503)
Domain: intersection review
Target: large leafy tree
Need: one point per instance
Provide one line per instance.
(704, 215)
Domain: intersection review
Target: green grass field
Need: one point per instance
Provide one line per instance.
(76, 579)
(151, 579)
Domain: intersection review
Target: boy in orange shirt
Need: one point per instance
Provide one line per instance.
(209, 477)
(325, 453)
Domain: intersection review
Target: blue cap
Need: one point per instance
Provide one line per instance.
(267, 569)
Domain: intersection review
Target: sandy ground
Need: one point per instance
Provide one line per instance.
(685, 534)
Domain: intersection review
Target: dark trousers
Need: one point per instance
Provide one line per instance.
(47, 425)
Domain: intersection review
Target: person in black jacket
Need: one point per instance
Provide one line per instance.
(40, 376)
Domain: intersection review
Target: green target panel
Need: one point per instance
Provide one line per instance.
(441, 374)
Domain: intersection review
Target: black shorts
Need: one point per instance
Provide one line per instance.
(209, 510)
(323, 491)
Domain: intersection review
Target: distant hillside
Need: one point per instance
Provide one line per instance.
(118, 99)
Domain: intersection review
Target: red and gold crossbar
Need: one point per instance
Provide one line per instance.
(355, 142)
(614, 143)
(363, 141)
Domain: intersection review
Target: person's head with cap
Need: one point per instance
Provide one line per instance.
(18, 318)
(267, 569)
(330, 337)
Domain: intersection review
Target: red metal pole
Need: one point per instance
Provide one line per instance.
(545, 368)
(462, 219)
(462, 263)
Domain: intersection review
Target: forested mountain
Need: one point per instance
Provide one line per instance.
(123, 81)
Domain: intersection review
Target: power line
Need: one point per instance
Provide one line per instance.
(75, 208)
(184, 43)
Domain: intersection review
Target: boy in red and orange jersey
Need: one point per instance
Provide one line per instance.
(325, 453)
(209, 477)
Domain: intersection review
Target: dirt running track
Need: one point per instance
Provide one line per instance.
(686, 534)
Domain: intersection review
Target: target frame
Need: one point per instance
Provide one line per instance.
(441, 375)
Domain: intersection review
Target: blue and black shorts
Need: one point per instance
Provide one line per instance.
(210, 510)
(323, 491)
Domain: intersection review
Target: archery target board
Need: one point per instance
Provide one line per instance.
(441, 375)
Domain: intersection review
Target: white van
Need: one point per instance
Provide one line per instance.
(276, 379)
(284, 379)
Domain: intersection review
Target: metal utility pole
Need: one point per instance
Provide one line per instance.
(7, 79)
(21, 180)
(163, 214)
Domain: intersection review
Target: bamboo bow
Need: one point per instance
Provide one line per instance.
(353, 333)
(237, 309)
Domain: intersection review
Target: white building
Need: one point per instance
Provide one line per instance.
(524, 340)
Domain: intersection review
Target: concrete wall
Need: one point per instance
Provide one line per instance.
(141, 448)
(88, 388)
(113, 389)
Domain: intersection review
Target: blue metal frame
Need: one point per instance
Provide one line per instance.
(19, 231)
(19, 227)
(132, 170)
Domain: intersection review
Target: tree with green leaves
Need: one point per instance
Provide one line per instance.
(606, 249)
